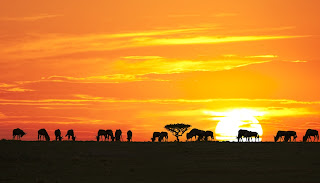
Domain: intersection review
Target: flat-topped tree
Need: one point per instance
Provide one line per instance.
(177, 129)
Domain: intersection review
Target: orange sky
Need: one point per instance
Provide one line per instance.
(142, 64)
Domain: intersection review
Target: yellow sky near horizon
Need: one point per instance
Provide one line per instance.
(142, 64)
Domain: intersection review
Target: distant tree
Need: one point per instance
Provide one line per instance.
(177, 129)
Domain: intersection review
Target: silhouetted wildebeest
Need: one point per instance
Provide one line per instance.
(43, 133)
(18, 132)
(208, 134)
(280, 136)
(242, 133)
(251, 134)
(285, 136)
(163, 136)
(189, 136)
(193, 133)
(156, 135)
(110, 135)
(57, 133)
(118, 135)
(290, 134)
(129, 135)
(201, 135)
(102, 133)
(311, 133)
(70, 133)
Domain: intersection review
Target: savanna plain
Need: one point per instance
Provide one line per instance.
(194, 162)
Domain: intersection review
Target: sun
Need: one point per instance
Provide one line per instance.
(231, 122)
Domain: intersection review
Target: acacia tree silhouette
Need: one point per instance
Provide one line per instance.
(177, 129)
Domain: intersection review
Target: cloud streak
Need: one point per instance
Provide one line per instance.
(29, 18)
(55, 45)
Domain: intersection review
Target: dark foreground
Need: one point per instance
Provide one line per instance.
(159, 162)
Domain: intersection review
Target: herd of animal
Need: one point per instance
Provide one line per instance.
(43, 135)
(198, 135)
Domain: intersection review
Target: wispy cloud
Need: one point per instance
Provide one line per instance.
(225, 15)
(164, 66)
(112, 78)
(4, 87)
(83, 99)
(55, 45)
(29, 18)
(299, 61)
(262, 56)
(210, 40)
(142, 57)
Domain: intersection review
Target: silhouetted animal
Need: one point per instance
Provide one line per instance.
(290, 134)
(251, 134)
(201, 135)
(43, 133)
(189, 136)
(118, 135)
(163, 136)
(156, 135)
(280, 136)
(101, 133)
(311, 133)
(208, 134)
(194, 133)
(110, 135)
(70, 133)
(57, 133)
(242, 133)
(18, 132)
(285, 136)
(129, 135)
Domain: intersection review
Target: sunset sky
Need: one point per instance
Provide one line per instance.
(142, 64)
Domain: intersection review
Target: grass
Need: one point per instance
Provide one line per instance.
(192, 162)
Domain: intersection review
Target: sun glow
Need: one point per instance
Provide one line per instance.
(231, 122)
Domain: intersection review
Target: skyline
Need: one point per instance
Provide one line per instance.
(139, 65)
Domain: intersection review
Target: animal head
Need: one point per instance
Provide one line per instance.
(189, 135)
(305, 138)
(23, 133)
(47, 138)
(276, 138)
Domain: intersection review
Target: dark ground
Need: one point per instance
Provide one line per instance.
(159, 162)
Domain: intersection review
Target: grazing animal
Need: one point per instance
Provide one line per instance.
(251, 134)
(290, 134)
(43, 133)
(242, 133)
(129, 136)
(163, 135)
(110, 135)
(118, 135)
(194, 133)
(208, 134)
(18, 132)
(280, 136)
(285, 136)
(156, 135)
(70, 133)
(189, 136)
(57, 133)
(201, 135)
(102, 133)
(311, 133)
